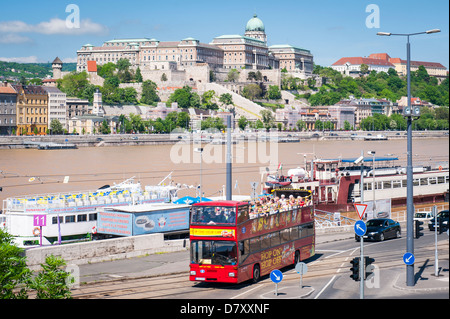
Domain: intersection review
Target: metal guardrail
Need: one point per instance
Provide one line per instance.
(328, 219)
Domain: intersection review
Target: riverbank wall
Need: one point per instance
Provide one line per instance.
(33, 142)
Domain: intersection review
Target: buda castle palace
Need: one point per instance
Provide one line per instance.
(242, 52)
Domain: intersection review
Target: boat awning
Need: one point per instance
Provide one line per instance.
(370, 159)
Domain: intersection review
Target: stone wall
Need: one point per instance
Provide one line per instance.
(105, 250)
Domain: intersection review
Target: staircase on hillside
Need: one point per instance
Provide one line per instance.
(243, 106)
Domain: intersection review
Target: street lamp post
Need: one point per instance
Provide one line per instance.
(373, 187)
(408, 113)
(200, 150)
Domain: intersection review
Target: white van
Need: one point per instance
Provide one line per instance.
(423, 216)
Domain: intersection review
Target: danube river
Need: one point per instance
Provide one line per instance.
(30, 171)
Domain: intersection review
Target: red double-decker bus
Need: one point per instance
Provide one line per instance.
(230, 243)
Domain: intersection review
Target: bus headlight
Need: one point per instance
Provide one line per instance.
(231, 274)
(193, 272)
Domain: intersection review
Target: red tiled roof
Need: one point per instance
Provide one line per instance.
(380, 56)
(418, 63)
(7, 90)
(361, 60)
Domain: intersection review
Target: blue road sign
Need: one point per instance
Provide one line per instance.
(360, 228)
(276, 276)
(409, 259)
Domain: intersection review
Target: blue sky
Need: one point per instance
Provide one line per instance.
(35, 31)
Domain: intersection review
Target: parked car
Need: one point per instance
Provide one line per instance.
(381, 229)
(441, 215)
(423, 216)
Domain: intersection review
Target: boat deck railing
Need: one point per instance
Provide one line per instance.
(326, 219)
(79, 199)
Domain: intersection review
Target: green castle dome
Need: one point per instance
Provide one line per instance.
(255, 24)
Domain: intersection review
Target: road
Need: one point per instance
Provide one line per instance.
(328, 276)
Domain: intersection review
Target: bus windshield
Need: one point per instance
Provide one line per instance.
(213, 215)
(213, 252)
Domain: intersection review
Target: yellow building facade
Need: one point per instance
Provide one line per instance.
(32, 110)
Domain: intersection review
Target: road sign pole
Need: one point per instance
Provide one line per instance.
(360, 230)
(276, 289)
(436, 259)
(361, 270)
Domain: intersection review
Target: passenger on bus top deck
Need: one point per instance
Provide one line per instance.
(300, 200)
(292, 200)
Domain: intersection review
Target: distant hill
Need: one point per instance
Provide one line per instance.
(14, 70)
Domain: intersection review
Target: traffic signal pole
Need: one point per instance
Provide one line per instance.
(362, 271)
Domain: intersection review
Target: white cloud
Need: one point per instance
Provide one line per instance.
(54, 26)
(27, 59)
(10, 38)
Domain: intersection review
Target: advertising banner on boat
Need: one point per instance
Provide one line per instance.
(382, 209)
(127, 223)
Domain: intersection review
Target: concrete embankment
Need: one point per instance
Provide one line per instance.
(21, 142)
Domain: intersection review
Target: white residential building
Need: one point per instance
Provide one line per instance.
(57, 102)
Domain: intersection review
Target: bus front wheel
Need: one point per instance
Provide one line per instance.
(256, 273)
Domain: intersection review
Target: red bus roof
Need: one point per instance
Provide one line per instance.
(221, 203)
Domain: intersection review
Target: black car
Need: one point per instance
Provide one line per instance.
(441, 215)
(381, 229)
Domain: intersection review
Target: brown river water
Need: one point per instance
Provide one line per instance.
(92, 167)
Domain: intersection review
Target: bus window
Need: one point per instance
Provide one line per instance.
(285, 235)
(243, 214)
(244, 249)
(275, 239)
(265, 241)
(213, 252)
(294, 232)
(213, 215)
(255, 245)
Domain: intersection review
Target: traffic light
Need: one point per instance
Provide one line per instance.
(417, 229)
(369, 267)
(355, 269)
(441, 224)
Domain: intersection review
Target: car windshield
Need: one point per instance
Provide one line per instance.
(421, 215)
(213, 215)
(213, 252)
(375, 223)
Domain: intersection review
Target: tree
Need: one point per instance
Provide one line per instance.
(364, 68)
(104, 128)
(226, 98)
(73, 84)
(14, 273)
(56, 127)
(185, 97)
(124, 73)
(106, 70)
(213, 122)
(51, 282)
(208, 100)
(233, 75)
(149, 95)
(301, 125)
(347, 125)
(242, 123)
(163, 77)
(267, 118)
(138, 75)
(251, 91)
(274, 92)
